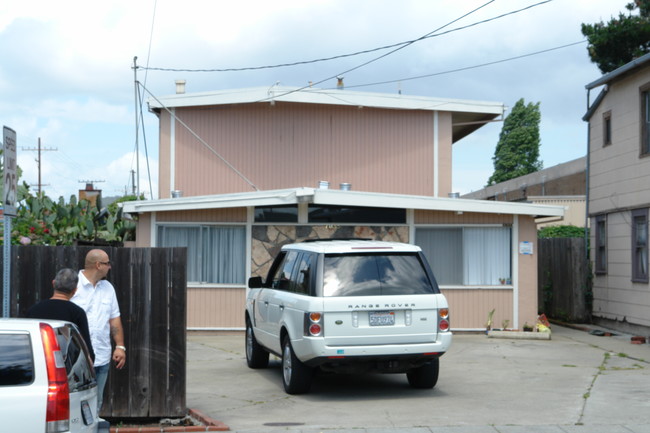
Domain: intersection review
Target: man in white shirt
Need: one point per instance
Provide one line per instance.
(97, 297)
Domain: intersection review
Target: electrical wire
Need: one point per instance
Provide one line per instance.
(357, 53)
(467, 68)
(379, 57)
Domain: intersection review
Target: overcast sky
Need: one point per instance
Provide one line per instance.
(66, 70)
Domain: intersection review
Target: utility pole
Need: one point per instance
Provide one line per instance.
(133, 181)
(39, 149)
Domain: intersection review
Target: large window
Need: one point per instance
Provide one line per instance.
(468, 255)
(601, 245)
(640, 245)
(215, 254)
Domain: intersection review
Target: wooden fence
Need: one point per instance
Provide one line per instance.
(151, 289)
(563, 279)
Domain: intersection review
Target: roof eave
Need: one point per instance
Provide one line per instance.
(341, 198)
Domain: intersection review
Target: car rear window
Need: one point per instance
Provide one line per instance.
(375, 275)
(77, 362)
(16, 360)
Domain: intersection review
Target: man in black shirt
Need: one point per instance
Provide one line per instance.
(59, 307)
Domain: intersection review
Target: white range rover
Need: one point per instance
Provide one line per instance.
(348, 306)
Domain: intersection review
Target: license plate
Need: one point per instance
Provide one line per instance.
(381, 318)
(86, 413)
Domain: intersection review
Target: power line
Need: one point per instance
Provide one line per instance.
(470, 67)
(379, 57)
(357, 53)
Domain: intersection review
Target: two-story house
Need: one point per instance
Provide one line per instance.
(244, 171)
(619, 195)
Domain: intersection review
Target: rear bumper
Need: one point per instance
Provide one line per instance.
(315, 352)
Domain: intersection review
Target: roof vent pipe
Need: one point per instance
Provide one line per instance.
(180, 87)
(454, 195)
(323, 184)
(177, 193)
(339, 83)
(345, 186)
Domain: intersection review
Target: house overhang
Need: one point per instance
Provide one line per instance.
(340, 198)
(467, 115)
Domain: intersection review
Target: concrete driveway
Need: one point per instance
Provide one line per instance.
(574, 382)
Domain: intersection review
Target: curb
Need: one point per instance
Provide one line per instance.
(209, 424)
(519, 335)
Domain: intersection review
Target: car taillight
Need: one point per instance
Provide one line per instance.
(443, 319)
(313, 324)
(58, 393)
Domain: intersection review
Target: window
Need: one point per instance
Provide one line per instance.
(215, 254)
(282, 278)
(467, 255)
(601, 245)
(640, 245)
(355, 214)
(16, 362)
(375, 275)
(607, 128)
(277, 214)
(304, 277)
(645, 122)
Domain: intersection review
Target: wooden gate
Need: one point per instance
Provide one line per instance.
(564, 289)
(151, 289)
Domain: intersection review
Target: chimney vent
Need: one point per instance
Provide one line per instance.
(323, 184)
(345, 186)
(180, 87)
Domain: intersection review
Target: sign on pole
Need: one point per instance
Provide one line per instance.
(10, 180)
(9, 202)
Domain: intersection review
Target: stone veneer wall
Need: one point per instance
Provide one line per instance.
(267, 240)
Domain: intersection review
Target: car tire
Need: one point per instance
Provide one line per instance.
(256, 356)
(296, 376)
(425, 376)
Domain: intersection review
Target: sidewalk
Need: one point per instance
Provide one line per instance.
(575, 382)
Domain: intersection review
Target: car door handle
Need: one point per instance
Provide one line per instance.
(266, 303)
(281, 307)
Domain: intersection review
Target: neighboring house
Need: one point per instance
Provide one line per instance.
(619, 195)
(252, 166)
(562, 185)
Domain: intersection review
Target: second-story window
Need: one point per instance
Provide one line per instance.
(645, 122)
(607, 128)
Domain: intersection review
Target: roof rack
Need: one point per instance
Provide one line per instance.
(336, 239)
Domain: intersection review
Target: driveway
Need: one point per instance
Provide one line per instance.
(567, 383)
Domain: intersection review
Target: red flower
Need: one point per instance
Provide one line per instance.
(46, 231)
(32, 229)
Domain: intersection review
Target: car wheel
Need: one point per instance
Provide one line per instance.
(425, 376)
(256, 356)
(296, 376)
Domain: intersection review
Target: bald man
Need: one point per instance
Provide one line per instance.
(97, 297)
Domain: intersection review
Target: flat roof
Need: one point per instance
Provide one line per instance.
(312, 95)
(334, 197)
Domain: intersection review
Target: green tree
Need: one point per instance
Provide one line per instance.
(517, 152)
(622, 39)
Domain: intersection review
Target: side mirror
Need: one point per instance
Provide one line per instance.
(255, 283)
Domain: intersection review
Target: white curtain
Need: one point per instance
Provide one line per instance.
(486, 255)
(215, 254)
